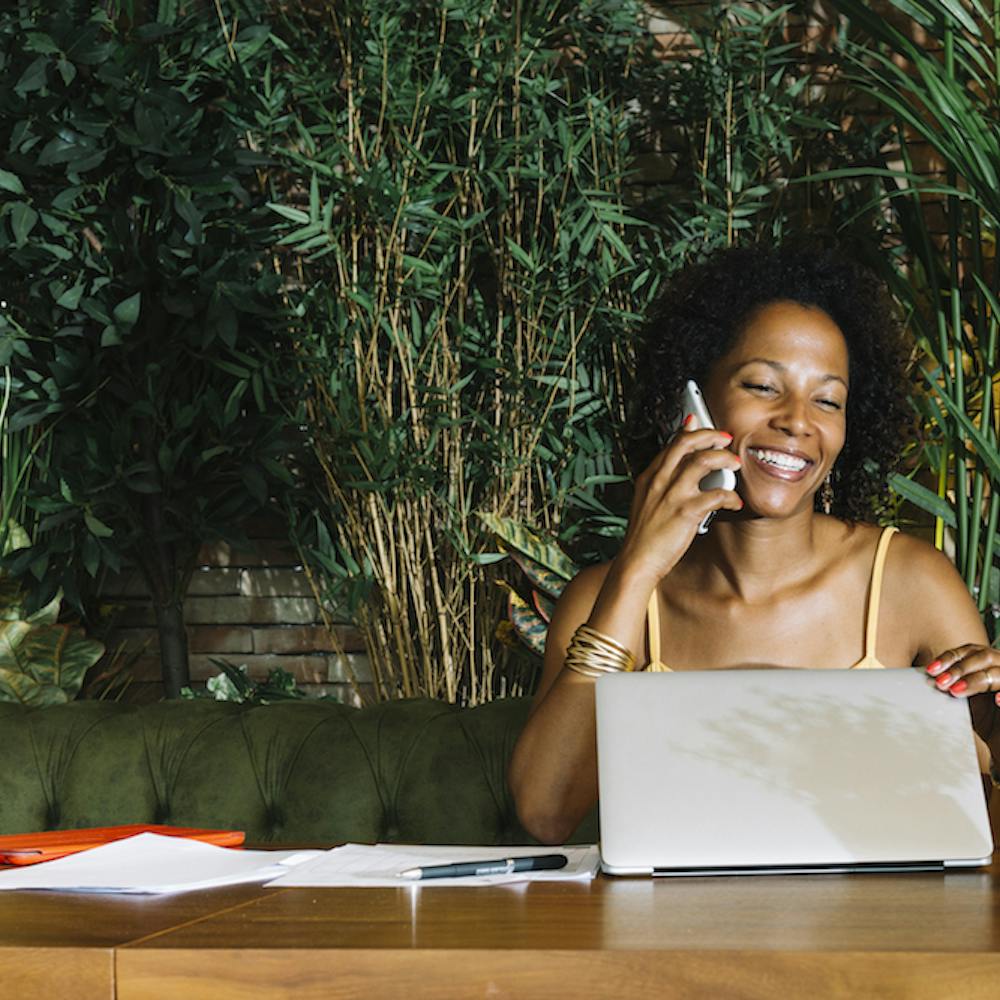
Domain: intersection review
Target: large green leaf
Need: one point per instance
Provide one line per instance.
(44, 664)
(12, 599)
(544, 605)
(544, 579)
(517, 538)
(530, 627)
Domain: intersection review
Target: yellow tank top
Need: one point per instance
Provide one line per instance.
(867, 662)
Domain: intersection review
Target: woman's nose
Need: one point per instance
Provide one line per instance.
(792, 417)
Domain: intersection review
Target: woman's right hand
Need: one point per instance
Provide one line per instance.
(668, 505)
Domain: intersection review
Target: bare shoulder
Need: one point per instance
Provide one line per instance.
(924, 593)
(908, 558)
(917, 567)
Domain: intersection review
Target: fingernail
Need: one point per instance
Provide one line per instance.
(934, 668)
(726, 434)
(996, 697)
(945, 680)
(688, 419)
(958, 687)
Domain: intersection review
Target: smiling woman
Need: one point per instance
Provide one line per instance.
(706, 309)
(782, 390)
(802, 367)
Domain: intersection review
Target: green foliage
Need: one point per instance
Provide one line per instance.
(547, 569)
(234, 684)
(745, 119)
(464, 251)
(473, 249)
(140, 305)
(950, 290)
(22, 453)
(41, 662)
(545, 564)
(467, 274)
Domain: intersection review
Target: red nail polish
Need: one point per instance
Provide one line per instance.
(944, 680)
(688, 419)
(958, 687)
(933, 668)
(996, 697)
(726, 434)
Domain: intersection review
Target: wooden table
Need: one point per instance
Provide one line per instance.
(913, 936)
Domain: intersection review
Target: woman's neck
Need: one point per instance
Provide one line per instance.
(753, 559)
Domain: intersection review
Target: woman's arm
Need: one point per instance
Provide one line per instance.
(949, 636)
(553, 770)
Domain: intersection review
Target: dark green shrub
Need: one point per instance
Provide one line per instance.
(140, 304)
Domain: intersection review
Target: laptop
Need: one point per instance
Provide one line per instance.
(786, 771)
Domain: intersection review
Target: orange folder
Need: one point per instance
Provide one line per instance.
(30, 848)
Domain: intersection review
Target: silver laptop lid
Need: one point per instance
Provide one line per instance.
(741, 769)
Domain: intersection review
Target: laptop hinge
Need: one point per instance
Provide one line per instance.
(818, 869)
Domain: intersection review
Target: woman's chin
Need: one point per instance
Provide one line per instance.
(773, 508)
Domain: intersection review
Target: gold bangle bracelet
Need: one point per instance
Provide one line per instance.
(592, 653)
(586, 632)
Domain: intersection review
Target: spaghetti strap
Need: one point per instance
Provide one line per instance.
(875, 594)
(653, 628)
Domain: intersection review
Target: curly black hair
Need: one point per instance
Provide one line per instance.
(698, 316)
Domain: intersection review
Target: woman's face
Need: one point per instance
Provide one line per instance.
(781, 391)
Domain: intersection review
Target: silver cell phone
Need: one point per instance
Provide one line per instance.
(693, 402)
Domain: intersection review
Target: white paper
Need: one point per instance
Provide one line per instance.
(152, 863)
(380, 865)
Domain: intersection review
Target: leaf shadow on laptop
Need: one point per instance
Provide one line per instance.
(776, 766)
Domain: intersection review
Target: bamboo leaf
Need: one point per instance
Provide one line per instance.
(521, 256)
(292, 214)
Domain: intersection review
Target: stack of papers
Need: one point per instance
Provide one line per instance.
(151, 863)
(380, 865)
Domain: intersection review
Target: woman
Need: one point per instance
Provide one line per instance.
(801, 364)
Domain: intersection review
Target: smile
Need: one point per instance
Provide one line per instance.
(779, 459)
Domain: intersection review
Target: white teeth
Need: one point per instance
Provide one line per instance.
(779, 459)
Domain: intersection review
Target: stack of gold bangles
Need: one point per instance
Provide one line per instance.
(593, 653)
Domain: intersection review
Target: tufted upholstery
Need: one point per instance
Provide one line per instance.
(416, 771)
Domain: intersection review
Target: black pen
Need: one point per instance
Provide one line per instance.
(503, 866)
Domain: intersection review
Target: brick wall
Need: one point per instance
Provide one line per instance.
(251, 606)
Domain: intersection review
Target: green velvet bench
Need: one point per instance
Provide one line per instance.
(317, 772)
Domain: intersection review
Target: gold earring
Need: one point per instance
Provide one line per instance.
(826, 493)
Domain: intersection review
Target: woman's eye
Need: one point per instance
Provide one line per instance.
(830, 404)
(758, 387)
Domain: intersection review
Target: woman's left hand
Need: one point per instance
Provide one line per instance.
(967, 670)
